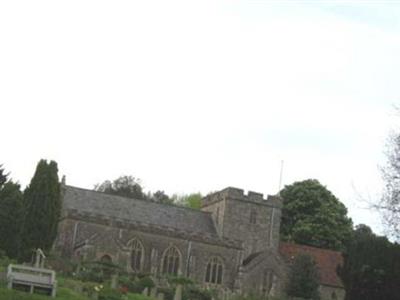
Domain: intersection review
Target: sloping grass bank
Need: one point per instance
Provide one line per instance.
(62, 294)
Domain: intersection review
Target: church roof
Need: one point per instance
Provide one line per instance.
(138, 211)
(326, 260)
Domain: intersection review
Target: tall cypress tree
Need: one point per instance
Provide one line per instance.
(11, 213)
(43, 208)
(11, 216)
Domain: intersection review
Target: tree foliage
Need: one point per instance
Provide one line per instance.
(11, 215)
(389, 206)
(3, 176)
(303, 278)
(312, 215)
(43, 208)
(192, 200)
(131, 187)
(161, 197)
(371, 269)
(125, 186)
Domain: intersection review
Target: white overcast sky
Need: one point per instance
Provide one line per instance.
(199, 95)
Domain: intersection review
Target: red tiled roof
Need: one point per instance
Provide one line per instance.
(327, 261)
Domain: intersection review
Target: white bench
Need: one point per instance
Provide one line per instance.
(31, 279)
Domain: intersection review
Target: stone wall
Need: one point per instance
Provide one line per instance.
(91, 241)
(263, 274)
(332, 293)
(248, 218)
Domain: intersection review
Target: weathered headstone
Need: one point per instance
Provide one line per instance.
(145, 291)
(114, 281)
(160, 296)
(178, 292)
(153, 292)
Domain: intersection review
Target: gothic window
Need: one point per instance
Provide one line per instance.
(253, 216)
(214, 271)
(137, 254)
(171, 261)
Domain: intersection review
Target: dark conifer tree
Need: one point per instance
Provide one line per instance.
(11, 216)
(43, 208)
(371, 269)
(3, 176)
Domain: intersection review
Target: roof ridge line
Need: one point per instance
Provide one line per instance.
(144, 200)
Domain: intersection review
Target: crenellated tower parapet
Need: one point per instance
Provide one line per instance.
(239, 194)
(248, 217)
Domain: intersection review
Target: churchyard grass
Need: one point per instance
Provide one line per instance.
(62, 294)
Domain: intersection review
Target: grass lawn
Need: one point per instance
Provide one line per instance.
(68, 289)
(62, 294)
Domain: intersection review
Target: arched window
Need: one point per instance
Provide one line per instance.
(214, 271)
(106, 259)
(171, 261)
(137, 255)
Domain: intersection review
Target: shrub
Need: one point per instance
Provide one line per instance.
(5, 261)
(168, 292)
(88, 288)
(303, 279)
(194, 293)
(110, 294)
(62, 265)
(135, 284)
(138, 297)
(97, 271)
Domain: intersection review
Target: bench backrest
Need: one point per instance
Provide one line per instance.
(31, 274)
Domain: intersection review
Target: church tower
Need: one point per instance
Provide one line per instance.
(248, 218)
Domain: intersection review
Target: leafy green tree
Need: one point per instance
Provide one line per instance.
(125, 186)
(11, 216)
(303, 278)
(161, 197)
(188, 200)
(371, 269)
(312, 215)
(194, 200)
(42, 200)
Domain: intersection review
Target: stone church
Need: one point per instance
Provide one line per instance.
(231, 244)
